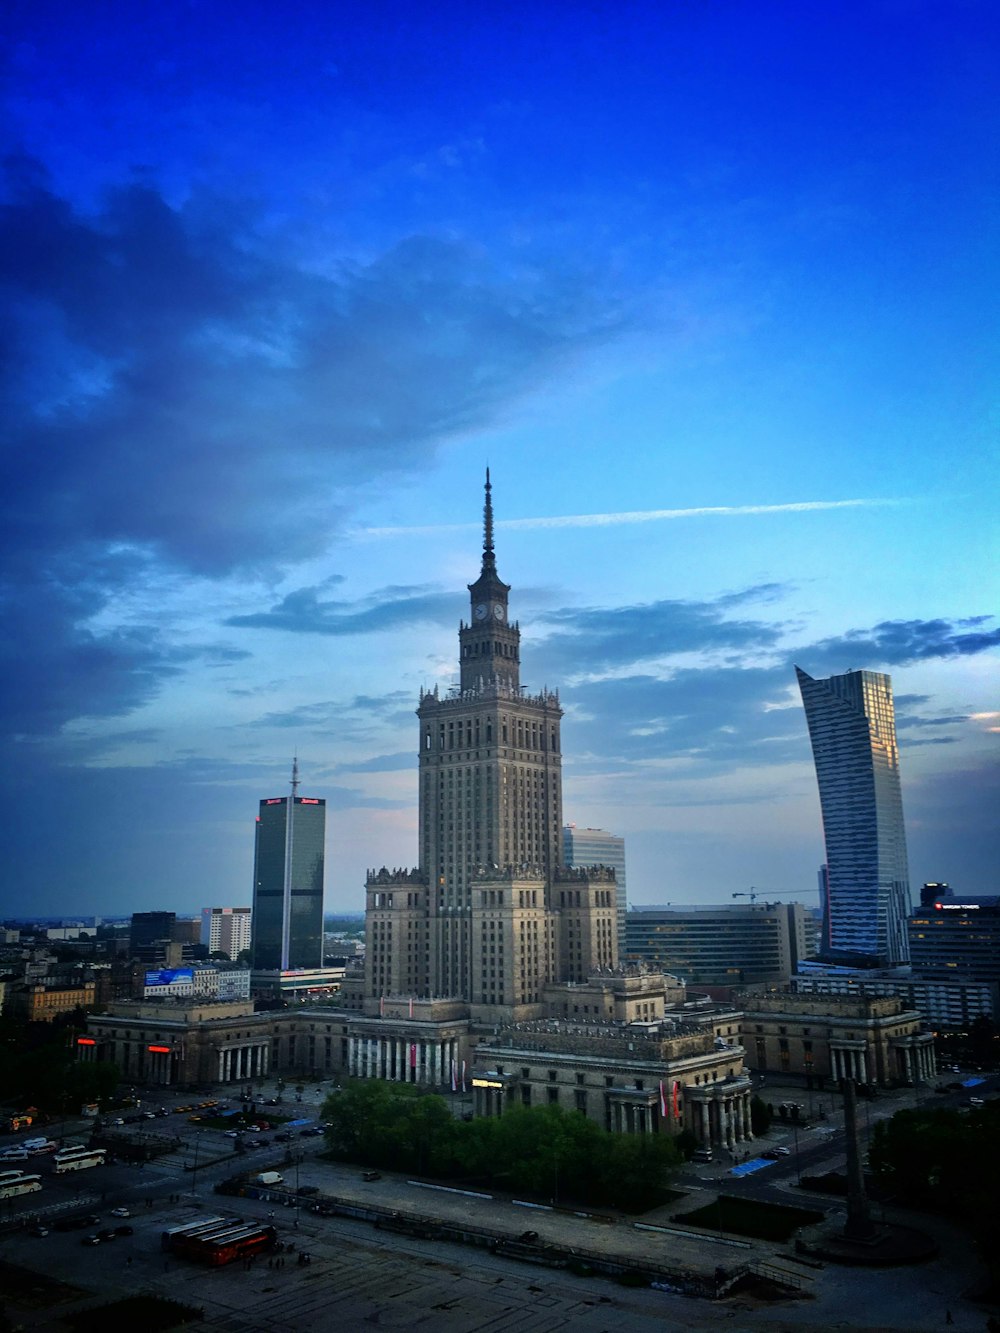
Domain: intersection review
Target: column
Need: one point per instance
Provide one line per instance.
(267, 1060)
(222, 1065)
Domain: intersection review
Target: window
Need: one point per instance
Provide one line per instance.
(552, 1075)
(553, 1096)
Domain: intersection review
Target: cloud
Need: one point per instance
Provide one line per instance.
(595, 639)
(178, 390)
(900, 643)
(633, 516)
(304, 612)
(358, 718)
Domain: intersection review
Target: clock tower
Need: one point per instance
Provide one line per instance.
(489, 646)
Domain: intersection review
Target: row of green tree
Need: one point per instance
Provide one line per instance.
(543, 1152)
(39, 1068)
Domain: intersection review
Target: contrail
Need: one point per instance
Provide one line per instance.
(638, 516)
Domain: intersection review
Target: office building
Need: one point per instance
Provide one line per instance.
(852, 728)
(957, 938)
(150, 933)
(595, 847)
(724, 946)
(289, 854)
(226, 929)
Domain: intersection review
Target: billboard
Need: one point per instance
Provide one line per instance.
(170, 976)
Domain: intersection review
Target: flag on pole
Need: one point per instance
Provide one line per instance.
(663, 1100)
(413, 1055)
(677, 1100)
(411, 1006)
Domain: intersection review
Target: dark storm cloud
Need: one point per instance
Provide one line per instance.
(175, 382)
(305, 612)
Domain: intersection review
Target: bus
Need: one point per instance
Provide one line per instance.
(10, 1189)
(7, 1176)
(224, 1244)
(168, 1237)
(78, 1159)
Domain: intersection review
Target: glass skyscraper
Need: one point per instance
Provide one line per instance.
(852, 728)
(288, 882)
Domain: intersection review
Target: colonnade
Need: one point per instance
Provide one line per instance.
(722, 1117)
(237, 1063)
(402, 1060)
(630, 1118)
(849, 1061)
(919, 1063)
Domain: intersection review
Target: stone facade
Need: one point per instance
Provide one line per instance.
(868, 1039)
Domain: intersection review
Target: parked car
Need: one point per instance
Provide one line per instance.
(371, 1175)
(38, 1231)
(91, 1240)
(120, 1212)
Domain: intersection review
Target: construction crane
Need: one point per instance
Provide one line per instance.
(753, 895)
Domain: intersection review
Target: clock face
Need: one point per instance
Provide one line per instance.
(480, 611)
(497, 611)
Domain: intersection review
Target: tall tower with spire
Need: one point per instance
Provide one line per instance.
(480, 920)
(287, 929)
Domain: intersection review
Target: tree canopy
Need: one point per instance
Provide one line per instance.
(543, 1151)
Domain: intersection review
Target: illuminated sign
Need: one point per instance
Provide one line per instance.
(957, 907)
(168, 976)
(275, 800)
(308, 800)
(159, 1050)
(85, 1041)
(486, 1083)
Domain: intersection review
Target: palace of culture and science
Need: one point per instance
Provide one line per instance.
(494, 963)
(491, 917)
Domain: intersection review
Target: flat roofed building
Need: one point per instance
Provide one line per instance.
(226, 929)
(824, 1037)
(720, 946)
(289, 857)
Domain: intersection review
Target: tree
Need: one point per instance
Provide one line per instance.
(760, 1116)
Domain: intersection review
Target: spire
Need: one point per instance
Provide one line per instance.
(488, 518)
(489, 557)
(295, 777)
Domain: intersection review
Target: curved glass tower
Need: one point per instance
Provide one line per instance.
(852, 727)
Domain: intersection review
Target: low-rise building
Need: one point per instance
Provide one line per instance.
(867, 1038)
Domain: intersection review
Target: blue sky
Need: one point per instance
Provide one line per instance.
(712, 289)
